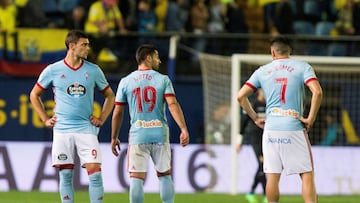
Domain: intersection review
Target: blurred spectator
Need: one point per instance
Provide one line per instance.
(146, 17)
(177, 16)
(345, 23)
(31, 14)
(105, 18)
(8, 15)
(56, 10)
(269, 15)
(199, 23)
(333, 131)
(284, 18)
(216, 24)
(128, 8)
(75, 19)
(236, 23)
(160, 12)
(104, 23)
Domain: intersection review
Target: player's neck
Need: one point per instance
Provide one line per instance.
(144, 67)
(280, 57)
(74, 63)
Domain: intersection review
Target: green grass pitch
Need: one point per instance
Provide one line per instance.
(82, 197)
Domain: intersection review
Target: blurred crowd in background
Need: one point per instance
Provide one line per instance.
(113, 18)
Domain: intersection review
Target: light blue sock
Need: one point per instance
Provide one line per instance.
(167, 191)
(96, 188)
(136, 190)
(66, 188)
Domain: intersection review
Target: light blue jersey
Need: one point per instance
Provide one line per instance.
(145, 91)
(282, 82)
(73, 94)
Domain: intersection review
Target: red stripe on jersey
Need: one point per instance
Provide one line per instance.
(41, 87)
(251, 86)
(309, 80)
(169, 95)
(120, 103)
(104, 90)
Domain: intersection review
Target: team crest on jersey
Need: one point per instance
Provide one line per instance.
(76, 90)
(62, 157)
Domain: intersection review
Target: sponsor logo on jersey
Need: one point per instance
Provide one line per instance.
(148, 124)
(282, 112)
(76, 90)
(62, 157)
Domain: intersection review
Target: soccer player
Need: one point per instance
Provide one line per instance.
(75, 128)
(146, 92)
(256, 142)
(286, 145)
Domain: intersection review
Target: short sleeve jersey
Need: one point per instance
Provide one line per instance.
(73, 94)
(144, 91)
(282, 82)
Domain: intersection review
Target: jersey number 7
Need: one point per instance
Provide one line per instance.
(283, 82)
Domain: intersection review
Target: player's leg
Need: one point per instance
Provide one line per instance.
(308, 187)
(90, 157)
(63, 159)
(161, 155)
(167, 191)
(66, 187)
(136, 190)
(138, 156)
(272, 187)
(96, 188)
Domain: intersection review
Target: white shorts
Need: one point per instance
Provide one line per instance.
(139, 154)
(65, 145)
(287, 151)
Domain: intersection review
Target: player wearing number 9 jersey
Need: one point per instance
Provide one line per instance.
(286, 146)
(146, 92)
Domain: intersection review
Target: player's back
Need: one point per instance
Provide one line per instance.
(145, 93)
(283, 81)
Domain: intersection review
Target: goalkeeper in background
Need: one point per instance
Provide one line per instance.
(286, 144)
(255, 137)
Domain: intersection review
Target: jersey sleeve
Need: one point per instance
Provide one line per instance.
(169, 89)
(101, 81)
(45, 78)
(120, 97)
(309, 74)
(254, 81)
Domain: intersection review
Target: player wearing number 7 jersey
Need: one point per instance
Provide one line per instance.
(286, 146)
(145, 91)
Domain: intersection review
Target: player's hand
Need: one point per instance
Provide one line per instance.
(238, 147)
(260, 122)
(51, 122)
(96, 121)
(307, 123)
(115, 146)
(184, 138)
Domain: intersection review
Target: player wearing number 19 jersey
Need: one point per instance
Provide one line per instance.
(146, 92)
(286, 146)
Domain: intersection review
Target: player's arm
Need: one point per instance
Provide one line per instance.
(177, 114)
(316, 100)
(106, 108)
(38, 106)
(243, 99)
(116, 123)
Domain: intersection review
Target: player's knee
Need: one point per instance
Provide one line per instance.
(66, 176)
(166, 173)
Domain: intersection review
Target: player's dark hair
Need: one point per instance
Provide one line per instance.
(282, 44)
(143, 51)
(73, 36)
